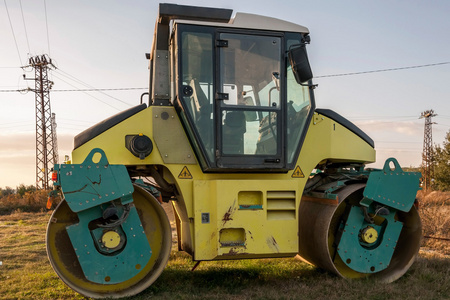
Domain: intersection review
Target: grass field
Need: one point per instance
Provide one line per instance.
(25, 272)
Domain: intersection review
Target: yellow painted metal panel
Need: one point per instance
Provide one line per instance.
(112, 141)
(270, 223)
(170, 138)
(328, 140)
(263, 235)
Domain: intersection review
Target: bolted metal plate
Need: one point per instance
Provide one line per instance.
(114, 267)
(170, 138)
(393, 188)
(368, 259)
(90, 184)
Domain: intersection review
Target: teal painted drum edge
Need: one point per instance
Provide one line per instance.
(90, 184)
(358, 255)
(115, 267)
(393, 188)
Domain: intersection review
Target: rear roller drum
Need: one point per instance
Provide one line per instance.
(64, 257)
(352, 241)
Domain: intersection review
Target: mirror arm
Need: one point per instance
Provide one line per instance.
(311, 86)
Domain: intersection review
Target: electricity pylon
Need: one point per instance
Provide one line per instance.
(427, 154)
(45, 135)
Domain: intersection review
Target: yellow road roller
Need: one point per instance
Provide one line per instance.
(232, 138)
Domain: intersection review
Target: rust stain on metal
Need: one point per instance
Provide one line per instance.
(272, 243)
(234, 252)
(228, 215)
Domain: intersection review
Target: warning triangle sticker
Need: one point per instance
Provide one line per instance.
(298, 173)
(185, 174)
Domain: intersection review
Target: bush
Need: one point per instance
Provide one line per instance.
(22, 189)
(29, 201)
(7, 191)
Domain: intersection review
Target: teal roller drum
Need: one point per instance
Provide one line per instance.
(364, 224)
(108, 237)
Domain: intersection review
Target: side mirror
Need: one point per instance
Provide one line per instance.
(298, 59)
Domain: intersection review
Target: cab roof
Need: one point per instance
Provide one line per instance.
(251, 21)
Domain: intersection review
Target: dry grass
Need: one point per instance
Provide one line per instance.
(26, 272)
(434, 209)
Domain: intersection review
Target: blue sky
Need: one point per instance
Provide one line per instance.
(102, 44)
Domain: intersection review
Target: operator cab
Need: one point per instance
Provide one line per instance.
(237, 95)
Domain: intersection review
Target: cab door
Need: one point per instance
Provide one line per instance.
(248, 101)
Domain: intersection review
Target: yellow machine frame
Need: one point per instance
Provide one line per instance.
(222, 216)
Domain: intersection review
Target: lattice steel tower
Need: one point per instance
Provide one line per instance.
(427, 154)
(55, 140)
(45, 137)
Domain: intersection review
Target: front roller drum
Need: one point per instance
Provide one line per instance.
(64, 261)
(326, 238)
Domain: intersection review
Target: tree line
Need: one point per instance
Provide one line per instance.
(441, 164)
(20, 190)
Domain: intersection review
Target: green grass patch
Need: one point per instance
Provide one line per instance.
(27, 274)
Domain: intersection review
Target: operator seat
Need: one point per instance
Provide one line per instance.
(233, 130)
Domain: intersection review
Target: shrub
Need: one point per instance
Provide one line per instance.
(29, 201)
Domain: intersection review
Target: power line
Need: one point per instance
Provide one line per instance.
(67, 75)
(26, 34)
(12, 29)
(14, 91)
(88, 94)
(99, 90)
(78, 90)
(46, 25)
(383, 70)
